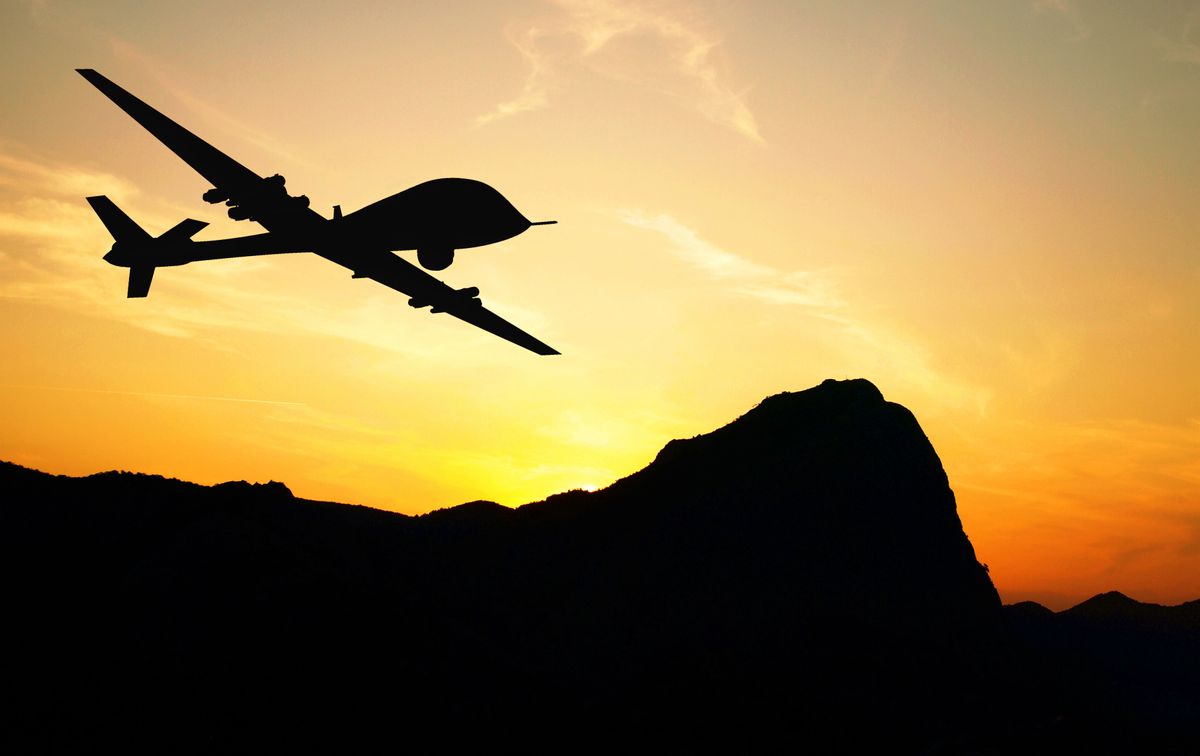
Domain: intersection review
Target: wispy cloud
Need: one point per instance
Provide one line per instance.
(1098, 470)
(28, 175)
(157, 69)
(818, 292)
(1126, 487)
(686, 66)
(155, 395)
(43, 218)
(749, 278)
(535, 92)
(1066, 10)
(44, 225)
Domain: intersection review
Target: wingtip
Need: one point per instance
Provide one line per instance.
(93, 77)
(99, 203)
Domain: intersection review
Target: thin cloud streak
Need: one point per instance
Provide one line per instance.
(819, 294)
(28, 176)
(590, 26)
(535, 92)
(153, 394)
(751, 279)
(42, 218)
(155, 69)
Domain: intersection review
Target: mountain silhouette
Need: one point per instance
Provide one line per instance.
(1123, 662)
(796, 579)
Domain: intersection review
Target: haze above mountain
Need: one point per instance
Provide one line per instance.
(799, 577)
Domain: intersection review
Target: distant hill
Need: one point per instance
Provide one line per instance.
(796, 579)
(1117, 660)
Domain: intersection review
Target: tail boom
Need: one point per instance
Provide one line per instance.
(135, 249)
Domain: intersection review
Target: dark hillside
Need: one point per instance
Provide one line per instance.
(1131, 665)
(798, 578)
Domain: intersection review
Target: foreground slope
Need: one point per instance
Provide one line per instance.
(798, 577)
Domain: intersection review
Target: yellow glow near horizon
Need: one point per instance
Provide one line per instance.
(987, 210)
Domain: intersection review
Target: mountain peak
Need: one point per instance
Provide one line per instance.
(272, 489)
(830, 395)
(827, 489)
(786, 416)
(1110, 603)
(832, 389)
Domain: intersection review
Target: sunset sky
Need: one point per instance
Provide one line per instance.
(989, 209)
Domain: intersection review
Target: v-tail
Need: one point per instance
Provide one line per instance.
(135, 249)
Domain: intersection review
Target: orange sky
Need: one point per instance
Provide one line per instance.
(987, 209)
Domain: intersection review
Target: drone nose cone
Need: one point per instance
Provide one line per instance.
(516, 222)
